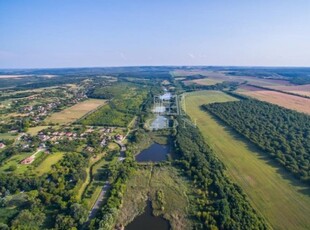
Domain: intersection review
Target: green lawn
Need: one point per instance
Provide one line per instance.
(9, 136)
(15, 161)
(35, 130)
(46, 165)
(281, 199)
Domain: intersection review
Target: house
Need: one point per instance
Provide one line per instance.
(89, 149)
(119, 137)
(68, 134)
(103, 142)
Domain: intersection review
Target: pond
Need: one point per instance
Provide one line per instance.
(154, 153)
(160, 122)
(148, 221)
(165, 96)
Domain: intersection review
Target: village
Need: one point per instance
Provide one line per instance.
(51, 138)
(21, 113)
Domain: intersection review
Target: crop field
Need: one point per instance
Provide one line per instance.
(297, 103)
(48, 162)
(75, 112)
(281, 199)
(207, 81)
(147, 180)
(297, 89)
(214, 77)
(204, 81)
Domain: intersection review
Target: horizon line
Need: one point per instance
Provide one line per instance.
(132, 66)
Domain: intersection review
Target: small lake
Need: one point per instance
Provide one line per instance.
(165, 96)
(154, 153)
(160, 122)
(148, 221)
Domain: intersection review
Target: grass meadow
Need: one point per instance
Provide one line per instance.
(147, 181)
(281, 199)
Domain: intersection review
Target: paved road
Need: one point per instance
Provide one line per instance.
(99, 200)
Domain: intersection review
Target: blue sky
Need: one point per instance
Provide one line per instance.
(80, 33)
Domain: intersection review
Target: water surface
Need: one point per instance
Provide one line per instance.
(160, 122)
(154, 153)
(147, 221)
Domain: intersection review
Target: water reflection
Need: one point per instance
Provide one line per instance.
(154, 153)
(147, 221)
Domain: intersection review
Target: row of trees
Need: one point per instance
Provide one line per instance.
(219, 203)
(283, 133)
(217, 86)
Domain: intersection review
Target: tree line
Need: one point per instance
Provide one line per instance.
(220, 204)
(282, 133)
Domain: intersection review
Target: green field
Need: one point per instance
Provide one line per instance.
(281, 199)
(93, 188)
(9, 136)
(46, 165)
(35, 130)
(149, 180)
(43, 167)
(15, 161)
(92, 162)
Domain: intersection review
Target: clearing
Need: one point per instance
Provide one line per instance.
(48, 162)
(75, 112)
(35, 130)
(281, 199)
(297, 103)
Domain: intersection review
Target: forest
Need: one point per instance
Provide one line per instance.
(49, 201)
(125, 102)
(282, 133)
(219, 203)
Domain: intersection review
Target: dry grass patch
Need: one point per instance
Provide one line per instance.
(75, 112)
(297, 103)
(297, 89)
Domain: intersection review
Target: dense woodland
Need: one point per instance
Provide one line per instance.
(48, 201)
(125, 101)
(219, 203)
(283, 133)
